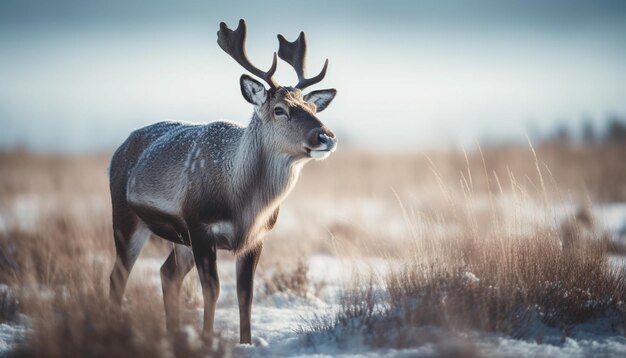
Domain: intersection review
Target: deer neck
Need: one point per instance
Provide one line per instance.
(262, 175)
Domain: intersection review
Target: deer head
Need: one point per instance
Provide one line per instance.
(288, 116)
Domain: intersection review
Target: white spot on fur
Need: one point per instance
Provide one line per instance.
(223, 229)
(323, 151)
(190, 155)
(320, 154)
(202, 163)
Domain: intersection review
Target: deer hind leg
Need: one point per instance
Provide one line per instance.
(128, 245)
(205, 255)
(178, 264)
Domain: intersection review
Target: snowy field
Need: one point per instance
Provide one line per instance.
(278, 322)
(341, 246)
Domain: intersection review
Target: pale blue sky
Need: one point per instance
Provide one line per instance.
(80, 75)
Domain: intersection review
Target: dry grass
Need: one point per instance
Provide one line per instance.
(292, 279)
(56, 248)
(490, 275)
(597, 171)
(494, 286)
(62, 286)
(58, 266)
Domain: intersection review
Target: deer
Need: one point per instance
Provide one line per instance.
(219, 185)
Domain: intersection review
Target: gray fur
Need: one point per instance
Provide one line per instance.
(217, 185)
(212, 186)
(246, 170)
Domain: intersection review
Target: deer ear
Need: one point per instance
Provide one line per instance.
(252, 90)
(321, 98)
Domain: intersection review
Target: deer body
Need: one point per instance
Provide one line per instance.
(217, 176)
(217, 185)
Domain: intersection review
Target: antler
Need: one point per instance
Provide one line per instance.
(233, 43)
(294, 54)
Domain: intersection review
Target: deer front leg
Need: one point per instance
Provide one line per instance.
(246, 266)
(204, 251)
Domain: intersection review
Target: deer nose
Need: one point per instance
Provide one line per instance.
(324, 139)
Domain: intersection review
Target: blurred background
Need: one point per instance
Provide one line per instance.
(481, 157)
(80, 75)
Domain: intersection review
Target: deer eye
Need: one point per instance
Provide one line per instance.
(278, 111)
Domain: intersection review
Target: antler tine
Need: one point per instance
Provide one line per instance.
(306, 82)
(294, 53)
(233, 43)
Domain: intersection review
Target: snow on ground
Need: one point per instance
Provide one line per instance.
(27, 211)
(10, 331)
(277, 319)
(617, 261)
(612, 217)
(8, 334)
(24, 212)
(508, 347)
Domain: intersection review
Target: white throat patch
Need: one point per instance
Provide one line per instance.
(320, 154)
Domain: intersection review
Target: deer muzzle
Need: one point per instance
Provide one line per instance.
(322, 142)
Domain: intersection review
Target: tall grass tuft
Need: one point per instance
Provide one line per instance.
(495, 272)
